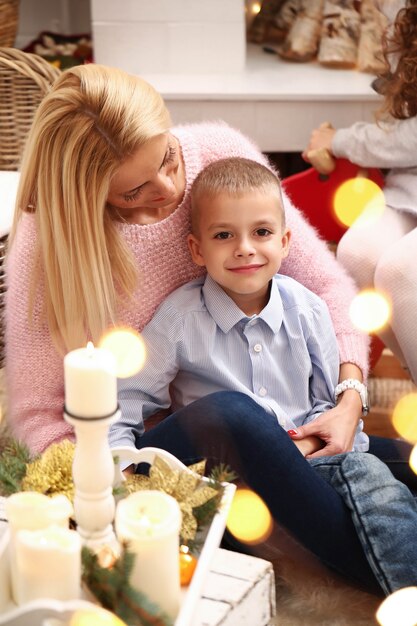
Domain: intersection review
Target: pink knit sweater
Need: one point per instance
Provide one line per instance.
(35, 369)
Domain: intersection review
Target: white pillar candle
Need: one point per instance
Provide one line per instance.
(48, 564)
(90, 382)
(29, 510)
(150, 521)
(90, 407)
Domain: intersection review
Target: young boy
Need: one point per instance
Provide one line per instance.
(243, 327)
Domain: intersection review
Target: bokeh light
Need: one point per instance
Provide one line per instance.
(128, 348)
(370, 310)
(95, 617)
(399, 609)
(249, 519)
(404, 417)
(413, 459)
(358, 197)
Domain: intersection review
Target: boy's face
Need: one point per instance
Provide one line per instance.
(242, 244)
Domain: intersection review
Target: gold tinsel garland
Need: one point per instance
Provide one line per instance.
(51, 474)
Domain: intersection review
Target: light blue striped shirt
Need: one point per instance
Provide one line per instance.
(199, 341)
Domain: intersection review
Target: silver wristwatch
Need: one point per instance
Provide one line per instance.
(353, 383)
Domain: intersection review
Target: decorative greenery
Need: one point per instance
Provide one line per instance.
(51, 473)
(111, 587)
(14, 458)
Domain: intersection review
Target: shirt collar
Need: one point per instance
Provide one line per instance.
(227, 314)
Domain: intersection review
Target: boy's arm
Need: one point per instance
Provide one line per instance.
(324, 354)
(145, 393)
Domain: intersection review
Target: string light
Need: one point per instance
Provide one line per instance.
(413, 459)
(358, 198)
(399, 609)
(370, 310)
(249, 519)
(128, 348)
(404, 417)
(95, 617)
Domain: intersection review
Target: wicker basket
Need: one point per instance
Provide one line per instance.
(24, 79)
(9, 17)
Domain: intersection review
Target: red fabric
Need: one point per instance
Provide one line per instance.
(313, 194)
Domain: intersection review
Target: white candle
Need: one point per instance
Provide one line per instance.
(48, 563)
(150, 521)
(29, 510)
(90, 382)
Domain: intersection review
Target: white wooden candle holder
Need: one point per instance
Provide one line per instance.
(93, 475)
(191, 612)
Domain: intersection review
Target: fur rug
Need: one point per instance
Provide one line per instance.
(305, 597)
(309, 594)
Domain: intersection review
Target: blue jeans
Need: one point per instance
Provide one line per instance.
(384, 513)
(229, 427)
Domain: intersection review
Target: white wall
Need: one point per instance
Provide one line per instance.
(69, 17)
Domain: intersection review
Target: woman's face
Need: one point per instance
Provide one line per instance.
(149, 185)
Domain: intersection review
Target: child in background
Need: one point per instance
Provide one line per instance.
(246, 329)
(386, 259)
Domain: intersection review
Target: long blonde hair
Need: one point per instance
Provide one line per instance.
(93, 118)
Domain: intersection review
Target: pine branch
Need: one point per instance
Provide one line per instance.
(14, 457)
(114, 592)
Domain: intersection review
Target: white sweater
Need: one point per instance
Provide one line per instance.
(391, 146)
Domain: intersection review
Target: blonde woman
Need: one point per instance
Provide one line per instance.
(99, 239)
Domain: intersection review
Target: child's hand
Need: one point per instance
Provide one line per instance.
(320, 139)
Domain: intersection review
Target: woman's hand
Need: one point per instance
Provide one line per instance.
(336, 428)
(321, 138)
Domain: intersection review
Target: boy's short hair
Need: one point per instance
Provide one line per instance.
(234, 176)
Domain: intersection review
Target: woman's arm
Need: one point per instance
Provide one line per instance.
(312, 264)
(34, 368)
(337, 427)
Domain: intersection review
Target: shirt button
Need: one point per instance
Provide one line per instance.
(257, 347)
(262, 391)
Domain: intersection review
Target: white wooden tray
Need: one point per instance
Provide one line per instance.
(37, 612)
